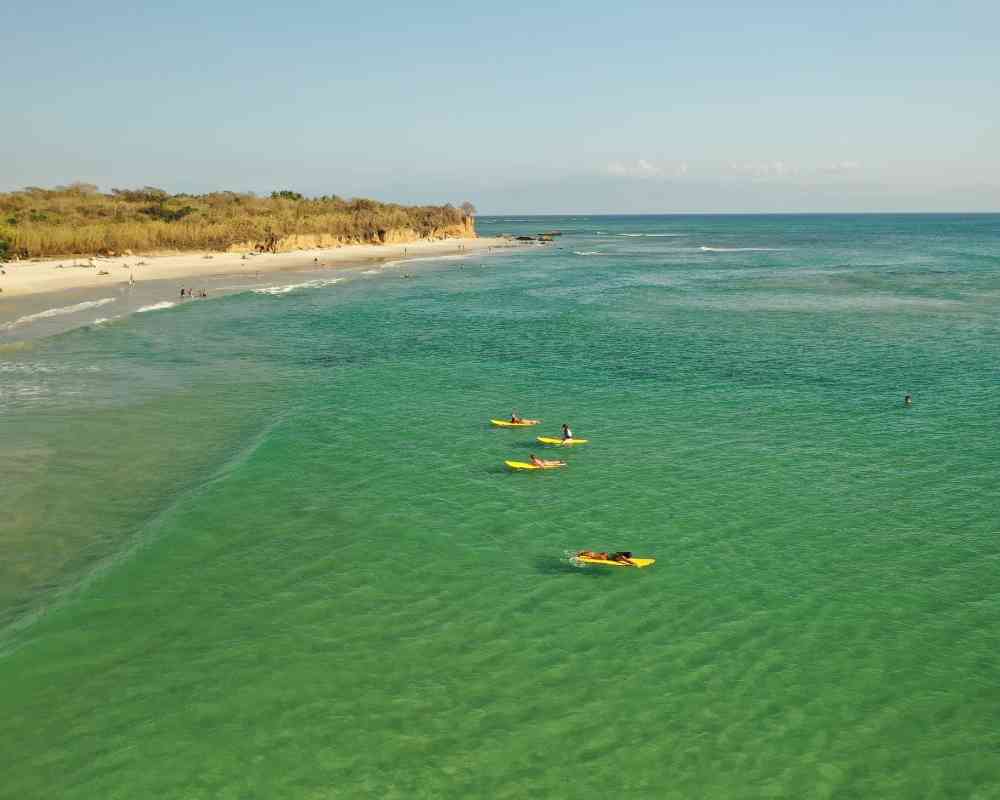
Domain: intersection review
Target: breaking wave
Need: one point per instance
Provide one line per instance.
(740, 249)
(56, 312)
(291, 287)
(155, 306)
(399, 261)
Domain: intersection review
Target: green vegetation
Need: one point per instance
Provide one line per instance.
(79, 219)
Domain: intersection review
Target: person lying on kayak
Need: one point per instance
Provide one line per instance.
(546, 462)
(623, 557)
(567, 434)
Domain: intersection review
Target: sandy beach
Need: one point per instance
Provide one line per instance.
(23, 278)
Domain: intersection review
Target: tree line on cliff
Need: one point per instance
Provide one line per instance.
(80, 219)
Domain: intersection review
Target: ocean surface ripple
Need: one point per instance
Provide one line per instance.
(264, 545)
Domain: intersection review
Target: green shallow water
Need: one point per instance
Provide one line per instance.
(291, 564)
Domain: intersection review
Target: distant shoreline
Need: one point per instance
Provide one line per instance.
(26, 278)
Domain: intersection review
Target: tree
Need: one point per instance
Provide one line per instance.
(468, 209)
(79, 187)
(147, 194)
(286, 194)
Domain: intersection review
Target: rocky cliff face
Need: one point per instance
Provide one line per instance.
(308, 241)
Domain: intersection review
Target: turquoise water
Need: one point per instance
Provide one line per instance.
(264, 546)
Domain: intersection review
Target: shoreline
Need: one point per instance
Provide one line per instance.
(48, 306)
(28, 278)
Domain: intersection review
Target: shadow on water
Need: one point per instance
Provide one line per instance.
(548, 565)
(503, 469)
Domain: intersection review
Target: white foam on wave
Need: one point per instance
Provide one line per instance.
(822, 303)
(23, 391)
(56, 312)
(739, 249)
(37, 368)
(155, 306)
(13, 366)
(371, 272)
(399, 261)
(635, 235)
(291, 287)
(586, 253)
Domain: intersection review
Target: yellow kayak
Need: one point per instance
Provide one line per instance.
(529, 465)
(506, 423)
(636, 562)
(559, 442)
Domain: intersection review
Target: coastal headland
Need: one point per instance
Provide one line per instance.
(76, 237)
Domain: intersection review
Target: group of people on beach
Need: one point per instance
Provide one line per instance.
(192, 293)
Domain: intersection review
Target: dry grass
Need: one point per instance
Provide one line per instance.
(80, 220)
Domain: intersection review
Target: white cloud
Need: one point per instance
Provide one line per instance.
(775, 170)
(840, 168)
(644, 168)
(763, 169)
(641, 168)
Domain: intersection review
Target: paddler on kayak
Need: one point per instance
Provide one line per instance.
(622, 557)
(546, 462)
(516, 418)
(567, 434)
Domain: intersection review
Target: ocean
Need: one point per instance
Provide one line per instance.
(264, 545)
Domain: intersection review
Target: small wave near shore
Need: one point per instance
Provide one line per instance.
(706, 249)
(56, 312)
(291, 287)
(155, 306)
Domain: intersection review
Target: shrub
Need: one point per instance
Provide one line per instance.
(77, 219)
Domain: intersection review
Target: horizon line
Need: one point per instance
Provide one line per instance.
(480, 215)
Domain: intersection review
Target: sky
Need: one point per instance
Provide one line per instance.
(583, 107)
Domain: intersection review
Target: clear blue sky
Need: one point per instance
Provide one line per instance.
(519, 107)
